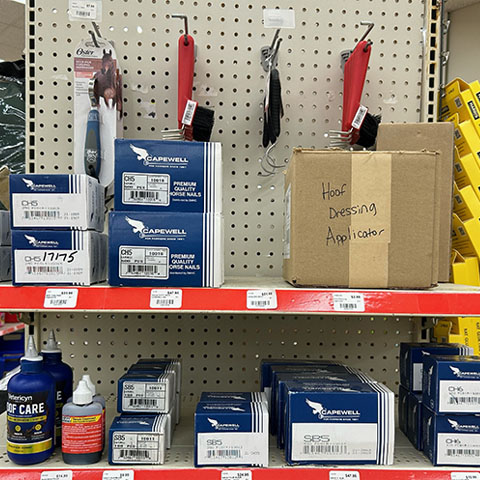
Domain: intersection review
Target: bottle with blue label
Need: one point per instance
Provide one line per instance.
(31, 411)
(63, 375)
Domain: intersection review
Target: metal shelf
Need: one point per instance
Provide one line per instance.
(444, 300)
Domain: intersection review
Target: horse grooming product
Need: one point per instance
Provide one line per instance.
(63, 375)
(82, 435)
(93, 149)
(30, 411)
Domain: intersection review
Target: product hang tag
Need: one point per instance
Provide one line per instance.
(348, 302)
(60, 298)
(343, 475)
(85, 10)
(278, 18)
(236, 475)
(359, 117)
(189, 113)
(118, 475)
(166, 298)
(265, 299)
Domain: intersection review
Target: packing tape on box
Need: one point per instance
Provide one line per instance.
(365, 170)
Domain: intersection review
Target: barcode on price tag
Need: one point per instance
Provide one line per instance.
(262, 299)
(189, 112)
(118, 475)
(343, 475)
(465, 475)
(165, 298)
(57, 475)
(60, 298)
(348, 302)
(359, 117)
(83, 10)
(236, 475)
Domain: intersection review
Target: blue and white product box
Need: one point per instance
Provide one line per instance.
(451, 439)
(69, 202)
(5, 232)
(5, 263)
(155, 369)
(414, 420)
(411, 360)
(165, 249)
(215, 397)
(402, 408)
(145, 392)
(159, 175)
(137, 439)
(58, 257)
(231, 434)
(451, 384)
(170, 362)
(334, 424)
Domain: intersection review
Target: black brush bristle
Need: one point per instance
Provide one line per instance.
(369, 130)
(202, 124)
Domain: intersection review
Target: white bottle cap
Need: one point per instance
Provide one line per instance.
(90, 384)
(31, 353)
(82, 395)
(52, 345)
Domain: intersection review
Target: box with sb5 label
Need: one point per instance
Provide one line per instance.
(138, 439)
(451, 439)
(229, 434)
(411, 360)
(215, 397)
(58, 257)
(159, 175)
(335, 424)
(68, 202)
(165, 249)
(146, 392)
(451, 383)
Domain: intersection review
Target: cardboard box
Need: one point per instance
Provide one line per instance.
(68, 202)
(5, 263)
(465, 270)
(433, 137)
(466, 137)
(347, 215)
(5, 233)
(58, 257)
(160, 176)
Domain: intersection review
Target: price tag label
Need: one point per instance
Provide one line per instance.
(83, 10)
(56, 475)
(343, 475)
(236, 475)
(60, 298)
(262, 299)
(465, 475)
(189, 112)
(348, 302)
(278, 18)
(165, 298)
(118, 475)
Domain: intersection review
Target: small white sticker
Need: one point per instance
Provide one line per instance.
(343, 475)
(83, 9)
(278, 18)
(189, 112)
(348, 302)
(165, 298)
(60, 298)
(236, 475)
(262, 299)
(118, 475)
(465, 475)
(359, 117)
(57, 475)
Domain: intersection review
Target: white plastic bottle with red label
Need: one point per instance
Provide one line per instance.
(99, 399)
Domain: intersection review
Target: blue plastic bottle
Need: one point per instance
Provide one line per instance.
(30, 411)
(63, 375)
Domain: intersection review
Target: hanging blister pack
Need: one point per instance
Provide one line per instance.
(98, 108)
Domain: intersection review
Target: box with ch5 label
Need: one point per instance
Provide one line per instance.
(159, 175)
(229, 434)
(146, 392)
(165, 249)
(138, 439)
(451, 439)
(411, 360)
(58, 257)
(334, 424)
(68, 202)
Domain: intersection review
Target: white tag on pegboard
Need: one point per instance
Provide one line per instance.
(85, 10)
(278, 18)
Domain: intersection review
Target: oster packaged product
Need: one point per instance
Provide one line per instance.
(228, 434)
(451, 384)
(411, 360)
(162, 175)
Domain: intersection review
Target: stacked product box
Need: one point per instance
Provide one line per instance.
(148, 400)
(5, 247)
(167, 227)
(412, 358)
(231, 429)
(56, 223)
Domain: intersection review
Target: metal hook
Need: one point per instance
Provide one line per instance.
(267, 58)
(97, 29)
(94, 38)
(369, 29)
(185, 23)
(274, 54)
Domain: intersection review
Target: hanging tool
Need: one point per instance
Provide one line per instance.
(93, 152)
(358, 126)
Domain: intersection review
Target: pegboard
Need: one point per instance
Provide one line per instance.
(223, 352)
(229, 79)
